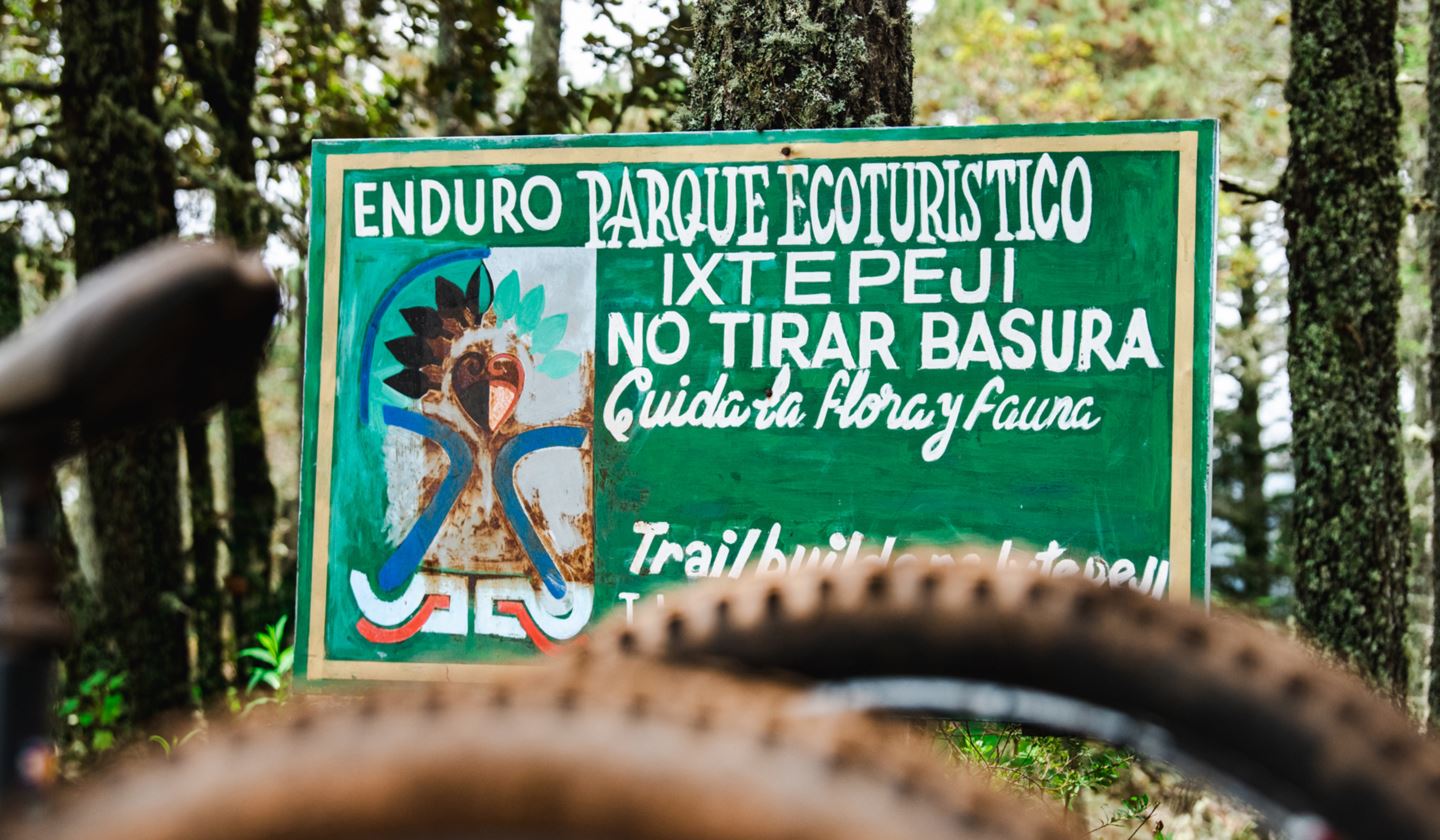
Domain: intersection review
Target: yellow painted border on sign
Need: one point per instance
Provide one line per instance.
(1184, 142)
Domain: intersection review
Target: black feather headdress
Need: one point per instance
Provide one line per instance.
(424, 351)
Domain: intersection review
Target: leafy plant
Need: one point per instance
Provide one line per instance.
(1137, 809)
(93, 717)
(276, 660)
(1061, 768)
(170, 746)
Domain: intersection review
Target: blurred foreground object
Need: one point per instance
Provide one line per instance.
(1215, 696)
(166, 332)
(624, 750)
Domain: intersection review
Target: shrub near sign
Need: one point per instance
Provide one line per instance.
(550, 376)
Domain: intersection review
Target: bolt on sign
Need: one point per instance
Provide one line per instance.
(548, 377)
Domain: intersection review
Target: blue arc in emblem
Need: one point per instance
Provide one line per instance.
(405, 561)
(546, 437)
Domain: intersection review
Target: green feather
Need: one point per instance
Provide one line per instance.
(507, 298)
(550, 333)
(532, 307)
(559, 364)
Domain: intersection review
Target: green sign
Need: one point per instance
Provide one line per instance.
(548, 377)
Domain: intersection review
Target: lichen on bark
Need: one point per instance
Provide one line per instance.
(1343, 212)
(773, 64)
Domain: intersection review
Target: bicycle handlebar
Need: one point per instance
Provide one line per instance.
(165, 332)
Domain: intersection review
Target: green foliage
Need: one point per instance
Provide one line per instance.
(1061, 768)
(987, 61)
(1113, 793)
(93, 718)
(31, 156)
(1251, 528)
(984, 61)
(1132, 809)
(471, 48)
(276, 660)
(654, 64)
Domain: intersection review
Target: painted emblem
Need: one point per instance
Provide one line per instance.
(486, 400)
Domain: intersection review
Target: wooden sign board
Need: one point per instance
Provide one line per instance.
(547, 377)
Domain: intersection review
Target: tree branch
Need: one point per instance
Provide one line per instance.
(28, 86)
(219, 15)
(32, 126)
(32, 195)
(1244, 186)
(290, 153)
(246, 31)
(199, 57)
(41, 151)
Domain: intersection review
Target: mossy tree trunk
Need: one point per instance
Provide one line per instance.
(773, 64)
(218, 44)
(121, 196)
(1343, 212)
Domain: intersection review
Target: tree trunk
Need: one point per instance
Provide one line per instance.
(462, 82)
(218, 46)
(544, 110)
(1241, 469)
(772, 64)
(207, 609)
(250, 490)
(121, 197)
(1432, 234)
(1343, 213)
(252, 519)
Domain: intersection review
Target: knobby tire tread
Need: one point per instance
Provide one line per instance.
(604, 750)
(1244, 699)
